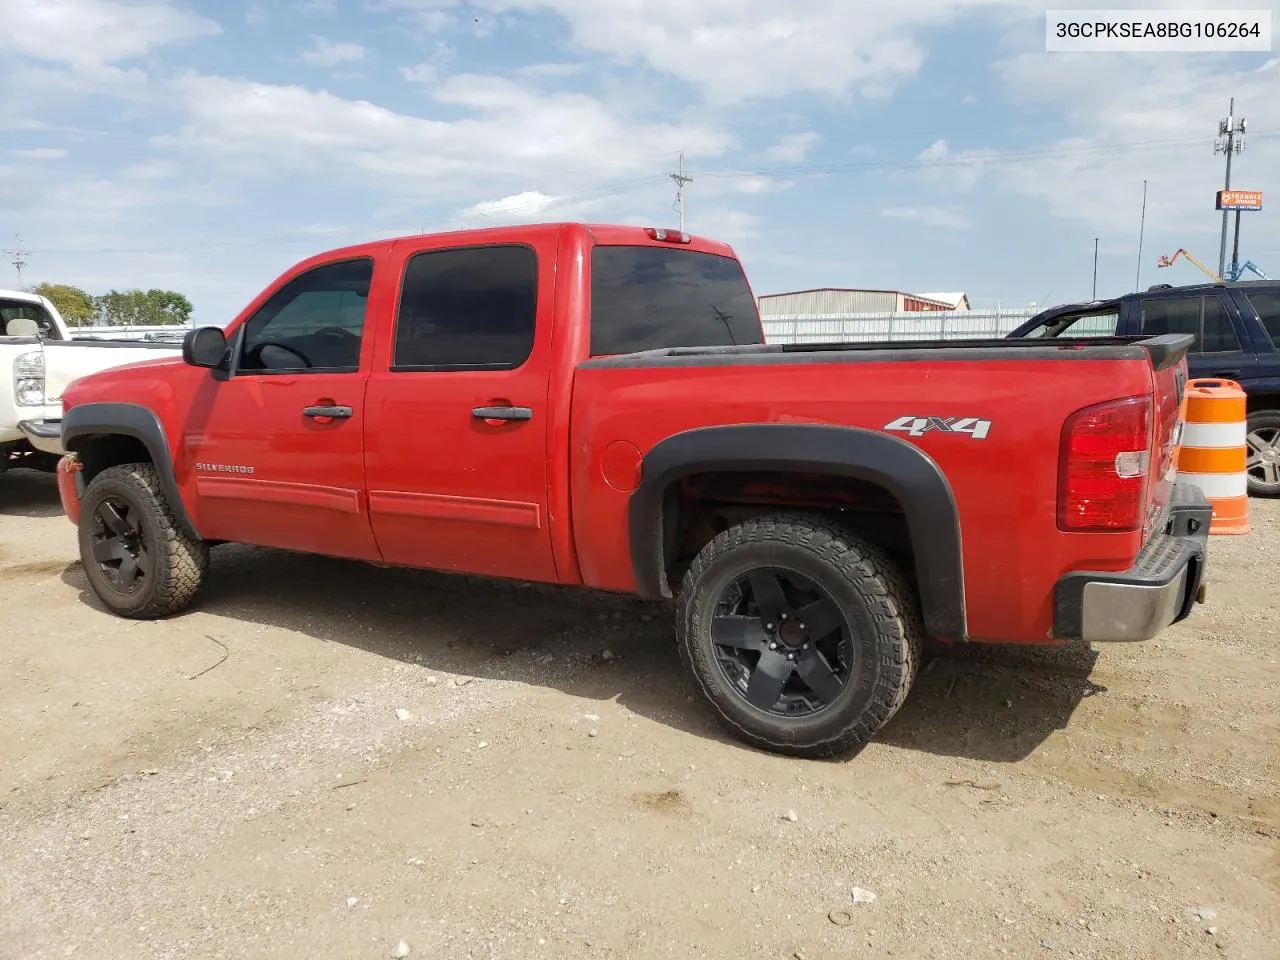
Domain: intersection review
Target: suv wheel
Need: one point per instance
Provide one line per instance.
(1263, 465)
(137, 557)
(803, 636)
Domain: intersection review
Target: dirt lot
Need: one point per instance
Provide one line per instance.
(387, 756)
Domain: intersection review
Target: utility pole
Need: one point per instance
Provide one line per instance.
(681, 179)
(18, 259)
(1095, 269)
(1142, 229)
(1230, 141)
(1235, 253)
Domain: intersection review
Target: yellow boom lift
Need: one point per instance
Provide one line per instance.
(1168, 262)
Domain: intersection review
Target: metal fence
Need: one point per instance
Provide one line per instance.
(172, 332)
(863, 327)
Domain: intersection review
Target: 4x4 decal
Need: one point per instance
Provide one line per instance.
(975, 427)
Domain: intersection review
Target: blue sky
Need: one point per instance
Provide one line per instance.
(931, 146)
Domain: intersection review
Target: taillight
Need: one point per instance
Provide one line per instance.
(1105, 461)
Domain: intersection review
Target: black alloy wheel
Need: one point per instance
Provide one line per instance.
(783, 642)
(120, 546)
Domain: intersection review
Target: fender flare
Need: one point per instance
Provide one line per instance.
(83, 423)
(902, 468)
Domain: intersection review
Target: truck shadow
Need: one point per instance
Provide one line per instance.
(995, 705)
(29, 493)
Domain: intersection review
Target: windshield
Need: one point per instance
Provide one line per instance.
(655, 298)
(25, 310)
(1096, 324)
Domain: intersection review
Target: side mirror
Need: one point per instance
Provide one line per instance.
(204, 347)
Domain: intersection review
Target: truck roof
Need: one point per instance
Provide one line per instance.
(22, 295)
(600, 233)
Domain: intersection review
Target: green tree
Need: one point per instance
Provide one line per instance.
(121, 308)
(76, 306)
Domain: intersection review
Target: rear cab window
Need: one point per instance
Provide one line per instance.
(658, 298)
(11, 310)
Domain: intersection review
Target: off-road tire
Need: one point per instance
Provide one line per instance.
(884, 614)
(179, 560)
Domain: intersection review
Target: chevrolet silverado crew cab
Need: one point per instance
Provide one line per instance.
(38, 358)
(596, 406)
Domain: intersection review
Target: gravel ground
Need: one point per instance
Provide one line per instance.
(324, 759)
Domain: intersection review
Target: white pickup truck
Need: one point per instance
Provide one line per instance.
(38, 359)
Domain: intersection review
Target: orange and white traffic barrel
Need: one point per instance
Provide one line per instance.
(1214, 453)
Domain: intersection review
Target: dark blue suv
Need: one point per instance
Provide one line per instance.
(1237, 336)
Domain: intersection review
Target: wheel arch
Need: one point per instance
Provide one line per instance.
(902, 469)
(105, 435)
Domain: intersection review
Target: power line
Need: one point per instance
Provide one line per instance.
(978, 160)
(414, 225)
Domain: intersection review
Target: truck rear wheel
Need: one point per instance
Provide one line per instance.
(804, 637)
(139, 560)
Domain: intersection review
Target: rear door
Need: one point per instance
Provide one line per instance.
(1261, 311)
(458, 414)
(1219, 349)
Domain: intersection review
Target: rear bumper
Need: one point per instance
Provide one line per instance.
(1164, 583)
(44, 435)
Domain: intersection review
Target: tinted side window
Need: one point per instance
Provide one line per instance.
(1179, 315)
(1219, 333)
(470, 308)
(314, 323)
(651, 298)
(1267, 306)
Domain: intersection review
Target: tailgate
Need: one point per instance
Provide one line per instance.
(1169, 384)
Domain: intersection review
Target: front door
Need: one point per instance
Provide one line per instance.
(458, 415)
(277, 449)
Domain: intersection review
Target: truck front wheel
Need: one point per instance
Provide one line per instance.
(139, 560)
(803, 636)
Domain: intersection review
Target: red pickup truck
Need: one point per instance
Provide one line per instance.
(596, 406)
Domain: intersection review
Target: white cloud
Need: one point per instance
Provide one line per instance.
(956, 170)
(552, 69)
(738, 50)
(316, 6)
(326, 53)
(89, 34)
(154, 169)
(793, 147)
(39, 153)
(943, 217)
(516, 138)
(421, 73)
(521, 205)
(731, 226)
(1162, 131)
